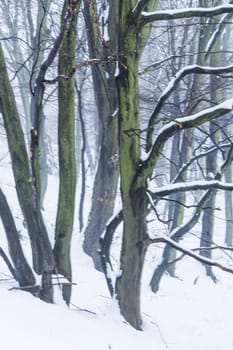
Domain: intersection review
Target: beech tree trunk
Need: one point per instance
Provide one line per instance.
(41, 250)
(67, 162)
(134, 199)
(106, 178)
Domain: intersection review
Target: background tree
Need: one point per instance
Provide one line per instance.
(102, 45)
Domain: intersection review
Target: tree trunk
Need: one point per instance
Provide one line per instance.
(132, 258)
(106, 178)
(131, 41)
(41, 250)
(228, 210)
(23, 272)
(67, 165)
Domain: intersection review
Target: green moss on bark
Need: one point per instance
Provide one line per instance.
(67, 164)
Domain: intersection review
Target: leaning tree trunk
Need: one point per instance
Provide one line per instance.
(22, 270)
(211, 160)
(41, 250)
(67, 164)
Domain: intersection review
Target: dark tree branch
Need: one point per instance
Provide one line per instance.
(190, 253)
(105, 245)
(195, 158)
(8, 263)
(94, 61)
(201, 249)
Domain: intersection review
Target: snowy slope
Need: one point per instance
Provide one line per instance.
(189, 312)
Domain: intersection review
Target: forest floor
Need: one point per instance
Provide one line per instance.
(189, 312)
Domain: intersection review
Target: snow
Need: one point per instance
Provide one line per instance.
(117, 71)
(190, 307)
(185, 314)
(189, 312)
(114, 114)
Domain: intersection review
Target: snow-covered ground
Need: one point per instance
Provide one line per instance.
(188, 313)
(183, 315)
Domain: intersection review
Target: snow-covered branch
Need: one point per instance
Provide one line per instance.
(190, 253)
(148, 17)
(191, 69)
(171, 128)
(191, 186)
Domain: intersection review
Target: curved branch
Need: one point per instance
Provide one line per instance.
(195, 158)
(190, 253)
(148, 17)
(147, 166)
(105, 245)
(192, 69)
(192, 186)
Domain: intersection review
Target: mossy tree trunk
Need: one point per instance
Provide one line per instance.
(131, 41)
(41, 250)
(67, 163)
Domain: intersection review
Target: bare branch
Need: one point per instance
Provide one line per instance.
(93, 61)
(190, 253)
(202, 249)
(105, 244)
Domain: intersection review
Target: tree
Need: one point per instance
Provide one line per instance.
(67, 161)
(132, 133)
(106, 178)
(27, 171)
(134, 172)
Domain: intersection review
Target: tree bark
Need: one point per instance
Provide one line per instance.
(22, 270)
(67, 163)
(41, 250)
(106, 178)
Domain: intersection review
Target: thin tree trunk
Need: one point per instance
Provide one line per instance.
(22, 270)
(41, 250)
(67, 164)
(228, 210)
(106, 178)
